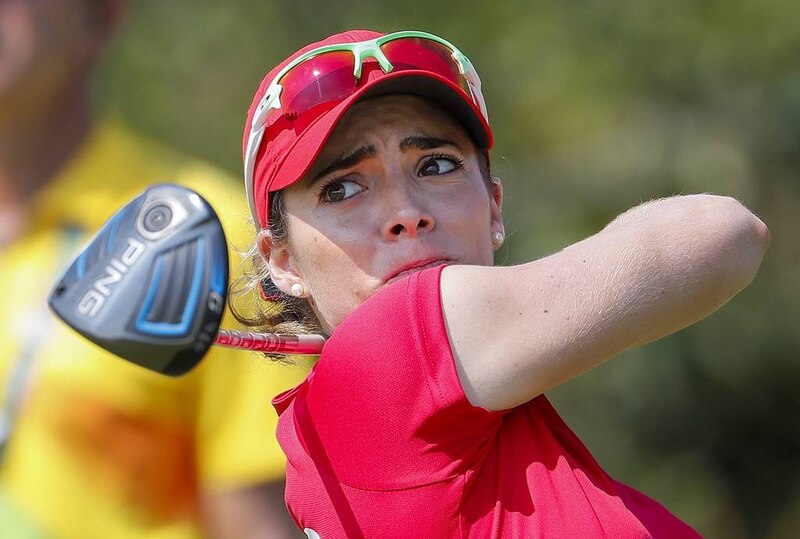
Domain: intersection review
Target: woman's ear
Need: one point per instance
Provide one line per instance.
(496, 210)
(276, 255)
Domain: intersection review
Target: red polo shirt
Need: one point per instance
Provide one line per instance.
(382, 442)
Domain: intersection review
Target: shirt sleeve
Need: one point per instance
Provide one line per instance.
(386, 394)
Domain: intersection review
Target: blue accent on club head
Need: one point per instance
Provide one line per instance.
(219, 271)
(109, 230)
(80, 265)
(180, 328)
(112, 226)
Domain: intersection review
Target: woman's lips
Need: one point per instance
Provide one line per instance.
(414, 267)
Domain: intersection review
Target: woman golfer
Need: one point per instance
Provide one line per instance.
(367, 171)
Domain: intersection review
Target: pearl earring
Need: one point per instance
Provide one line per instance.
(298, 290)
(497, 239)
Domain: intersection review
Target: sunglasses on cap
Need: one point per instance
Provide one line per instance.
(330, 73)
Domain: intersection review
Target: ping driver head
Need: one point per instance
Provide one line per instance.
(150, 287)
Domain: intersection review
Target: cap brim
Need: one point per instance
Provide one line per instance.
(299, 158)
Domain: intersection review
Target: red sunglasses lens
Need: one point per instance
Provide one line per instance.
(328, 77)
(425, 54)
(319, 80)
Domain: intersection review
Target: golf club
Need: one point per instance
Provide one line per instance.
(151, 286)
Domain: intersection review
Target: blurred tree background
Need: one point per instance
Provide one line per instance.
(596, 106)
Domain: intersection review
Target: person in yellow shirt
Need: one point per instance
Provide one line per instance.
(93, 446)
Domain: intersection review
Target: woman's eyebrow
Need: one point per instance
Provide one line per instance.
(346, 161)
(415, 142)
(424, 142)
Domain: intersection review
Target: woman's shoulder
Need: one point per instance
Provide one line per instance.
(399, 303)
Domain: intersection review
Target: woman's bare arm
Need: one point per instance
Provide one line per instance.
(519, 331)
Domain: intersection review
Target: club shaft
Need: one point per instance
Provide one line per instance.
(271, 342)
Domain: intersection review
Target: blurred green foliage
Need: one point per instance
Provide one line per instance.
(596, 106)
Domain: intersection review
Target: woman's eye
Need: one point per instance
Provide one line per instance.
(438, 165)
(340, 190)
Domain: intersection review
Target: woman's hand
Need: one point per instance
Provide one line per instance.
(519, 331)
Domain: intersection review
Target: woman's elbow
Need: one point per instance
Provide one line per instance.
(760, 231)
(746, 238)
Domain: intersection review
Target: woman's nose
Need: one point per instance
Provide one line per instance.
(407, 217)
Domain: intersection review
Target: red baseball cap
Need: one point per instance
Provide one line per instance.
(290, 144)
